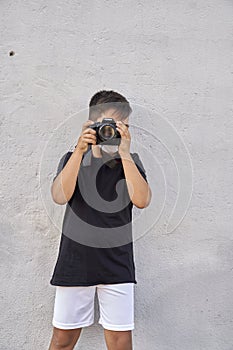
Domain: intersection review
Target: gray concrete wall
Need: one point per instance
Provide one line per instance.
(174, 60)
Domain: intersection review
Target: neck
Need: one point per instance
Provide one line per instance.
(98, 151)
(110, 149)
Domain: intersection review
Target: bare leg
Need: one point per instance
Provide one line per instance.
(64, 338)
(118, 340)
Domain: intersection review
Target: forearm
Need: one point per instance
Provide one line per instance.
(138, 188)
(64, 185)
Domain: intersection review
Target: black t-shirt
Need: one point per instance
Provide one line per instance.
(96, 244)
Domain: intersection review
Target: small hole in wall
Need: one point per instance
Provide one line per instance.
(11, 53)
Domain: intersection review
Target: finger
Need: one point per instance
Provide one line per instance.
(122, 126)
(89, 140)
(123, 132)
(120, 122)
(90, 136)
(123, 135)
(89, 130)
(87, 123)
(120, 130)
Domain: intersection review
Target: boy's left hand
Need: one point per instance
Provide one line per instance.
(124, 146)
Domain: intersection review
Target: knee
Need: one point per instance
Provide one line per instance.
(119, 340)
(60, 342)
(63, 339)
(123, 342)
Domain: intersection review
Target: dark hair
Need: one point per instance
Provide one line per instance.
(104, 100)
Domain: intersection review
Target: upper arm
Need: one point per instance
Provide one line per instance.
(64, 159)
(139, 165)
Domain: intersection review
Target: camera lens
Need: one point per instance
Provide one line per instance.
(106, 132)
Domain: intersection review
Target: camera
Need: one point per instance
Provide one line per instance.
(106, 132)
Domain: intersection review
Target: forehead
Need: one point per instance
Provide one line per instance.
(111, 113)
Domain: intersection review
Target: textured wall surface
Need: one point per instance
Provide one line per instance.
(173, 57)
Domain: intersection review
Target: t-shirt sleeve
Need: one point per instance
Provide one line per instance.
(64, 159)
(139, 165)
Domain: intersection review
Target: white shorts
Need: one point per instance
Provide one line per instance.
(74, 306)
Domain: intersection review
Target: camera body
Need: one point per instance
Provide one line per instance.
(106, 132)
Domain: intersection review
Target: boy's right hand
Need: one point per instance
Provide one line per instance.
(87, 137)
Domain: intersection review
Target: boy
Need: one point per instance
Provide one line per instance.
(81, 268)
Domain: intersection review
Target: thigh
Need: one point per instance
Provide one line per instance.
(116, 306)
(73, 307)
